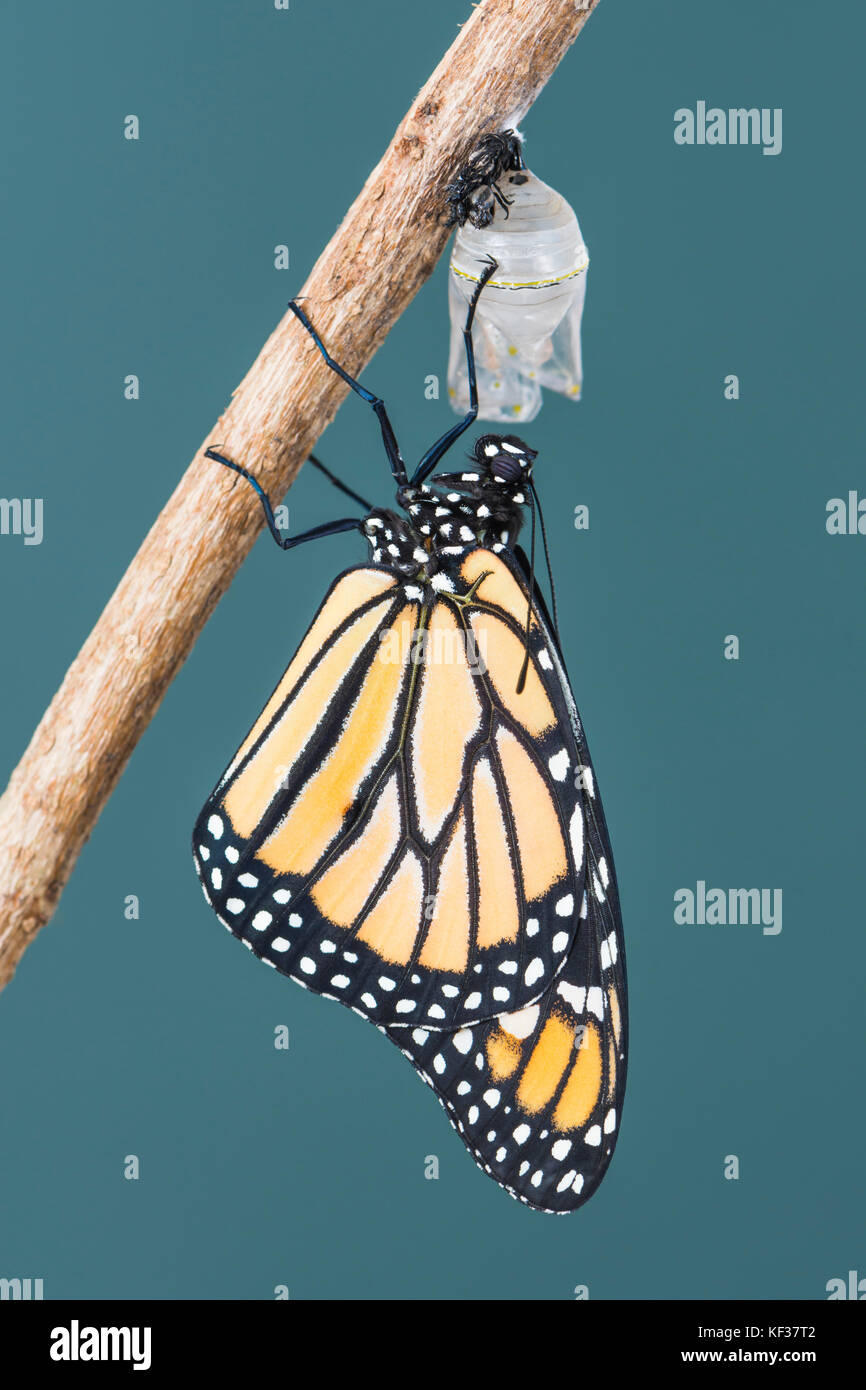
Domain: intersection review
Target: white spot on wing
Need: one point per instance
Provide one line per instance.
(574, 994)
(575, 833)
(595, 1002)
(534, 970)
(521, 1024)
(558, 765)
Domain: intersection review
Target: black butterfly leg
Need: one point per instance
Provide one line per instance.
(395, 459)
(441, 447)
(328, 528)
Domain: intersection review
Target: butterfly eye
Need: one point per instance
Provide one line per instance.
(505, 459)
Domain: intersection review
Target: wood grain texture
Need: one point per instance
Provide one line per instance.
(384, 250)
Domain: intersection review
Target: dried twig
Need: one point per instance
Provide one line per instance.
(382, 253)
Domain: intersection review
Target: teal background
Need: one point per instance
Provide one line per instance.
(155, 1037)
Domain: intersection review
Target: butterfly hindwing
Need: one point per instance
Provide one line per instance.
(402, 830)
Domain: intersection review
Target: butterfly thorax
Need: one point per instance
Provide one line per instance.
(455, 513)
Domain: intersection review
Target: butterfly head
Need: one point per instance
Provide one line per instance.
(504, 459)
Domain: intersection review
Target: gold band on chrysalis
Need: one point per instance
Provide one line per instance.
(520, 284)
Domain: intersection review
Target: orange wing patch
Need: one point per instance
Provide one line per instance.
(540, 845)
(610, 1088)
(447, 943)
(319, 811)
(616, 1016)
(498, 587)
(344, 889)
(581, 1091)
(503, 1055)
(546, 1065)
(348, 594)
(392, 926)
(252, 791)
(447, 716)
(498, 912)
(502, 652)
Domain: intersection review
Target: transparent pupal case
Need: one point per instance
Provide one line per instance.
(527, 323)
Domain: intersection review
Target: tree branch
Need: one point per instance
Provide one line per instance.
(382, 253)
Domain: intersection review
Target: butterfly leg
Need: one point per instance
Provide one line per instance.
(328, 528)
(441, 447)
(395, 459)
(338, 483)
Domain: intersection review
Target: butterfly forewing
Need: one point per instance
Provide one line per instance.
(402, 830)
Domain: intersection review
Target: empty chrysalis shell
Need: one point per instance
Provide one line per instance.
(527, 324)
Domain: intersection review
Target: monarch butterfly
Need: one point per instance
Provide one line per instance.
(412, 825)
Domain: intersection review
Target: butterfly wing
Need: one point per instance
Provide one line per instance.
(400, 829)
(536, 1094)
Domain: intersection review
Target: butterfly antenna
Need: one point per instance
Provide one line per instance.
(546, 557)
(521, 679)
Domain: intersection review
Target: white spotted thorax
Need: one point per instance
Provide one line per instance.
(454, 514)
(527, 324)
